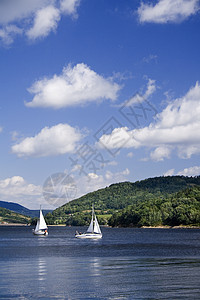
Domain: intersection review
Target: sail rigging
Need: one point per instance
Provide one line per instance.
(41, 226)
(42, 223)
(96, 226)
(93, 230)
(90, 228)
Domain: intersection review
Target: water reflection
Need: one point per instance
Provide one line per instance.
(42, 269)
(95, 267)
(117, 267)
(100, 278)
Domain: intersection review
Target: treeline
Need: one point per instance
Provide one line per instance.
(9, 216)
(183, 208)
(143, 203)
(120, 195)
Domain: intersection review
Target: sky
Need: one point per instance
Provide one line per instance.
(94, 93)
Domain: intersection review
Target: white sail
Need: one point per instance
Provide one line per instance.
(42, 224)
(37, 225)
(90, 228)
(96, 226)
(93, 232)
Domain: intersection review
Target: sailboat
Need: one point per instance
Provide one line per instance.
(93, 232)
(41, 226)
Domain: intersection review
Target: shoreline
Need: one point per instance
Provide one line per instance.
(14, 224)
(172, 227)
(145, 227)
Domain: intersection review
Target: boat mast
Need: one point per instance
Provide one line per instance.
(93, 217)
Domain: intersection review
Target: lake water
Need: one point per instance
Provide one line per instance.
(125, 264)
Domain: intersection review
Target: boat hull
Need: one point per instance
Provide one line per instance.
(40, 232)
(89, 236)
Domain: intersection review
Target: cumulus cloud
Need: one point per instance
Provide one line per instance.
(56, 140)
(167, 11)
(93, 181)
(160, 153)
(60, 188)
(119, 138)
(16, 189)
(75, 86)
(46, 20)
(65, 188)
(34, 18)
(69, 6)
(192, 171)
(176, 127)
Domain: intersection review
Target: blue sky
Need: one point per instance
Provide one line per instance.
(94, 93)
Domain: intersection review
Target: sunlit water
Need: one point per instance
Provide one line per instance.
(125, 264)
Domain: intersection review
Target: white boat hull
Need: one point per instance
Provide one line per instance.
(41, 226)
(93, 232)
(89, 236)
(40, 232)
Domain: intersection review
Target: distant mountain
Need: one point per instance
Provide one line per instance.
(21, 209)
(8, 216)
(119, 196)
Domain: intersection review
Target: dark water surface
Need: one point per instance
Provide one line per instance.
(125, 264)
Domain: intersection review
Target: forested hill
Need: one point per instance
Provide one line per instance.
(119, 196)
(8, 216)
(181, 208)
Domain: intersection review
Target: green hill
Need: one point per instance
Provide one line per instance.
(8, 216)
(182, 208)
(115, 198)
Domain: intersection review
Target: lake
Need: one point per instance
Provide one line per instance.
(127, 263)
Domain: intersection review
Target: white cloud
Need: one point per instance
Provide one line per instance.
(12, 10)
(139, 97)
(176, 127)
(13, 181)
(117, 176)
(192, 171)
(15, 135)
(160, 153)
(75, 86)
(93, 181)
(56, 140)
(69, 6)
(119, 138)
(8, 32)
(130, 154)
(126, 172)
(169, 172)
(113, 163)
(151, 88)
(89, 182)
(151, 57)
(34, 18)
(46, 20)
(16, 189)
(167, 11)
